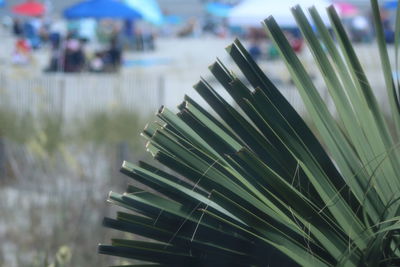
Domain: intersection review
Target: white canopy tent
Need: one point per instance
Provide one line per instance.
(250, 13)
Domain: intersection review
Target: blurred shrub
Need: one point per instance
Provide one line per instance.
(110, 128)
(55, 162)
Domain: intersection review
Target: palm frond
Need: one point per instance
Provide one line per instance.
(255, 186)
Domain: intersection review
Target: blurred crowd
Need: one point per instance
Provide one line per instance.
(359, 29)
(68, 43)
(97, 46)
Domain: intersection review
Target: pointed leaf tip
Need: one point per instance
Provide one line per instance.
(161, 110)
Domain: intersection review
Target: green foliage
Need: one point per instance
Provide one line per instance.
(43, 135)
(105, 127)
(256, 187)
(62, 258)
(47, 133)
(15, 126)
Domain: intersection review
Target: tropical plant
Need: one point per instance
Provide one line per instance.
(257, 187)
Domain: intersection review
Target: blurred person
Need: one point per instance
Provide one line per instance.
(255, 37)
(96, 64)
(295, 40)
(39, 31)
(222, 30)
(138, 39)
(360, 29)
(191, 29)
(104, 31)
(36, 23)
(57, 31)
(255, 50)
(209, 25)
(148, 39)
(272, 51)
(56, 56)
(127, 28)
(387, 25)
(74, 56)
(21, 54)
(387, 28)
(31, 34)
(389, 34)
(43, 34)
(113, 56)
(255, 34)
(128, 32)
(17, 27)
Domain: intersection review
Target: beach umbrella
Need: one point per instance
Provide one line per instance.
(219, 9)
(101, 9)
(29, 8)
(149, 9)
(346, 9)
(250, 13)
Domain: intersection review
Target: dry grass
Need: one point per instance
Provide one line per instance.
(58, 177)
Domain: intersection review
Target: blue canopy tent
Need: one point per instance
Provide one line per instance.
(149, 9)
(390, 4)
(219, 9)
(101, 9)
(173, 19)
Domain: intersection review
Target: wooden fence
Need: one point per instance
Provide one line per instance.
(74, 96)
(78, 95)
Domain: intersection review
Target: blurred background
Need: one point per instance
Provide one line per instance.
(80, 79)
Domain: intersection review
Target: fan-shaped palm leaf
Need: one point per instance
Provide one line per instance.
(256, 187)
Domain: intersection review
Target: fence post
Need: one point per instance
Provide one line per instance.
(62, 97)
(2, 87)
(3, 160)
(161, 91)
